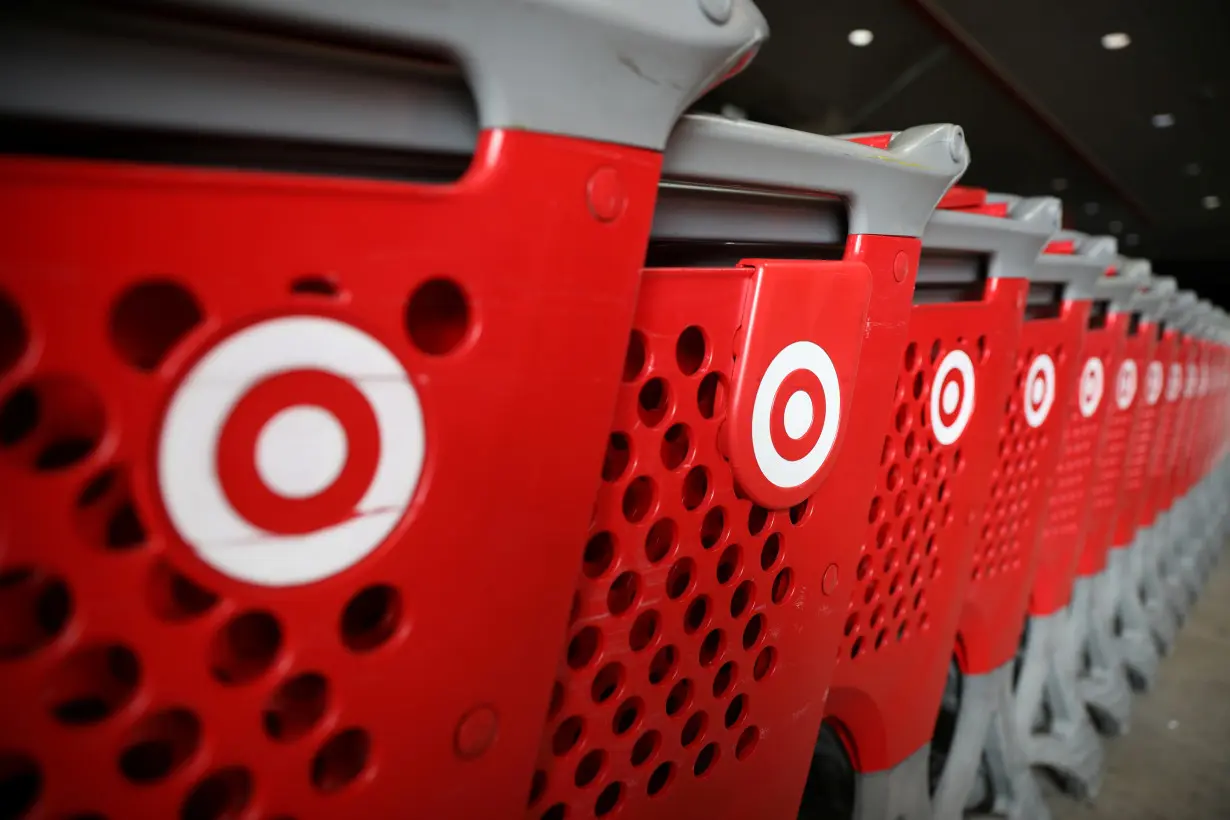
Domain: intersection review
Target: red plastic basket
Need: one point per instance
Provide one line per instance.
(1158, 451)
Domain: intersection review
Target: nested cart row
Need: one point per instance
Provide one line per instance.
(406, 410)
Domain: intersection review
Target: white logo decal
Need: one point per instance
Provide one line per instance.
(1039, 390)
(1125, 384)
(952, 396)
(1093, 379)
(812, 394)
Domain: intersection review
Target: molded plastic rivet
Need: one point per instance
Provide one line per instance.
(901, 266)
(476, 732)
(718, 11)
(605, 194)
(829, 582)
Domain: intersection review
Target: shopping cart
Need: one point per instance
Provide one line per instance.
(723, 546)
(931, 490)
(317, 357)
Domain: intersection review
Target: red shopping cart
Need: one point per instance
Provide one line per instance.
(915, 565)
(709, 607)
(298, 455)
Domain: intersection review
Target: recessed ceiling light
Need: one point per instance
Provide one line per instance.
(1211, 203)
(1115, 41)
(1192, 169)
(1091, 208)
(1132, 239)
(733, 112)
(1059, 184)
(1115, 226)
(860, 37)
(1163, 120)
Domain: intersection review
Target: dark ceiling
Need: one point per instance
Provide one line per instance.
(1046, 109)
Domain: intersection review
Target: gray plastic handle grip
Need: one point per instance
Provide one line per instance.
(1080, 271)
(1182, 310)
(888, 192)
(1012, 243)
(1154, 299)
(618, 72)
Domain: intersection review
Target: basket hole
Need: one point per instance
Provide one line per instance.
(856, 648)
(711, 648)
(14, 336)
(645, 748)
(245, 648)
(736, 710)
(983, 350)
(557, 700)
(370, 618)
(782, 585)
(742, 598)
(609, 799)
(315, 285)
(659, 540)
(766, 662)
(557, 812)
(729, 563)
(34, 609)
(607, 683)
(340, 760)
(159, 745)
(618, 455)
(150, 319)
(724, 679)
(679, 579)
(911, 356)
(711, 395)
(935, 351)
(653, 402)
(538, 785)
(706, 759)
(627, 716)
(690, 350)
(676, 444)
(746, 743)
(694, 729)
(438, 317)
(21, 785)
(771, 551)
(696, 615)
(52, 423)
(757, 518)
(644, 630)
(124, 528)
(695, 488)
(599, 553)
(634, 358)
(589, 767)
(851, 624)
(623, 592)
(92, 684)
(753, 630)
(874, 511)
(296, 706)
(638, 498)
(663, 664)
(864, 568)
(583, 646)
(220, 796)
(903, 418)
(567, 735)
(798, 511)
(919, 384)
(679, 698)
(712, 526)
(660, 778)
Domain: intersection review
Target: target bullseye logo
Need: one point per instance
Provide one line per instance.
(1039, 389)
(291, 450)
(1192, 381)
(952, 396)
(1204, 379)
(1125, 384)
(1153, 382)
(1174, 384)
(796, 414)
(1093, 381)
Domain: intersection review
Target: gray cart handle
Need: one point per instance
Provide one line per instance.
(1012, 243)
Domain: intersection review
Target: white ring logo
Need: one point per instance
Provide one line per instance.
(952, 396)
(1174, 385)
(1153, 382)
(1039, 389)
(1204, 379)
(1125, 384)
(1191, 382)
(291, 450)
(1093, 379)
(798, 415)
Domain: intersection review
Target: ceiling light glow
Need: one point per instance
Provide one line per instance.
(1132, 239)
(860, 37)
(1059, 184)
(1091, 208)
(1115, 41)
(1115, 226)
(1163, 120)
(1211, 203)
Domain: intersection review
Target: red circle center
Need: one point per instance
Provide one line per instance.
(793, 449)
(953, 377)
(235, 458)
